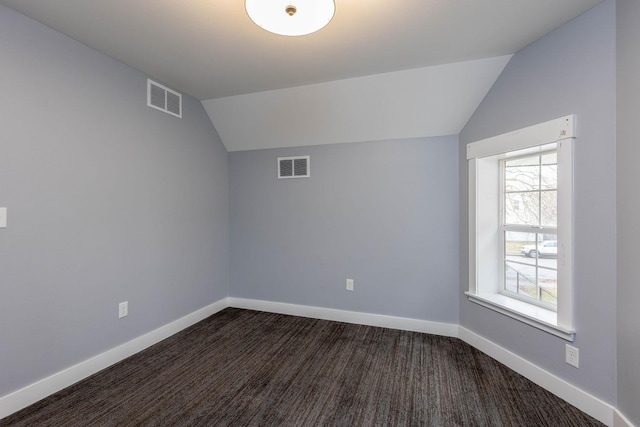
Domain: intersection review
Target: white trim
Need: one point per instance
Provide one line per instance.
(529, 137)
(32, 393)
(380, 320)
(473, 215)
(531, 314)
(619, 420)
(485, 225)
(582, 400)
(565, 234)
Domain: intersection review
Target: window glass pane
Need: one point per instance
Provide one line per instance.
(521, 178)
(519, 271)
(521, 278)
(548, 250)
(548, 283)
(530, 198)
(522, 208)
(510, 278)
(514, 241)
(549, 171)
(549, 208)
(530, 265)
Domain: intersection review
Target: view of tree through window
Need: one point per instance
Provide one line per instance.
(530, 218)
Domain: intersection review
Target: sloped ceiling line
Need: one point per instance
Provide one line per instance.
(420, 102)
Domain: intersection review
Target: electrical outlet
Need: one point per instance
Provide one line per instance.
(123, 309)
(572, 355)
(349, 284)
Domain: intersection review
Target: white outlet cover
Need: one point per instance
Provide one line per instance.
(572, 355)
(349, 284)
(123, 309)
(3, 217)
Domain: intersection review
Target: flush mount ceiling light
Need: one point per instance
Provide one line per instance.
(291, 17)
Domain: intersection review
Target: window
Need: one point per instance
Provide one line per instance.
(529, 198)
(520, 225)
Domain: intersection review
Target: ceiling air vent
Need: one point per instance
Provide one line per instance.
(294, 167)
(164, 99)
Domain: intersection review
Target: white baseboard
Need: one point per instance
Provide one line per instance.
(30, 394)
(619, 420)
(391, 322)
(582, 400)
(589, 404)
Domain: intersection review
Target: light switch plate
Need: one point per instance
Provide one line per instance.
(3, 217)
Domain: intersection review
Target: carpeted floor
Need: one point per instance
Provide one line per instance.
(248, 368)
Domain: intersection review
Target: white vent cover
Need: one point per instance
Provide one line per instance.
(164, 99)
(294, 167)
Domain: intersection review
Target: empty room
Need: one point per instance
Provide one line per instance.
(319, 212)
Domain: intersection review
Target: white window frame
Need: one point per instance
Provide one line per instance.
(504, 227)
(485, 251)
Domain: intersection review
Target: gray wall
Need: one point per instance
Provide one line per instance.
(571, 70)
(628, 157)
(381, 213)
(108, 201)
(111, 201)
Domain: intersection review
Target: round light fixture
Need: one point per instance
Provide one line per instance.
(291, 17)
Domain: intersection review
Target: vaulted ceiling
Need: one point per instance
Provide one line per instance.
(210, 49)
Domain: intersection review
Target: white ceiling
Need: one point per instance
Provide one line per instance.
(211, 49)
(428, 101)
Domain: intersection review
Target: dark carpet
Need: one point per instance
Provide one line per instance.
(248, 368)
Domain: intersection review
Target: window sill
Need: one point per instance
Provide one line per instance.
(530, 314)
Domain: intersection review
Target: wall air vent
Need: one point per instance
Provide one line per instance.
(294, 167)
(164, 99)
